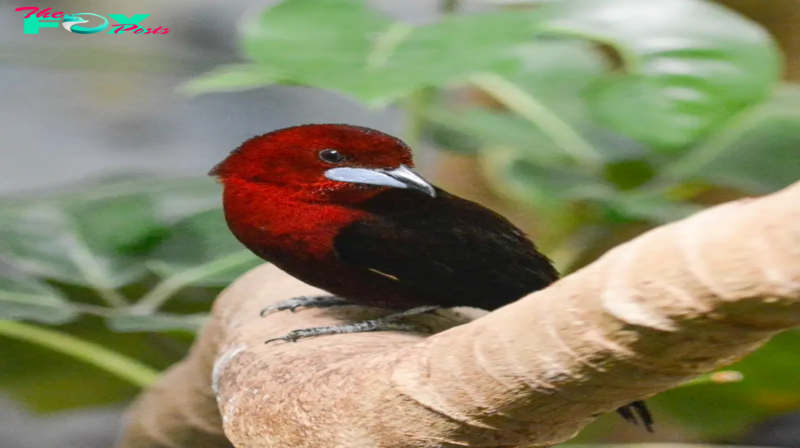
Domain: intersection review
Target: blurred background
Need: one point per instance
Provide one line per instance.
(584, 121)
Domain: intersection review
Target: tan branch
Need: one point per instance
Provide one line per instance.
(681, 300)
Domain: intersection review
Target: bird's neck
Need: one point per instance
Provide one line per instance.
(272, 221)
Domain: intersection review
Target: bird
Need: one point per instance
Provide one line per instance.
(340, 207)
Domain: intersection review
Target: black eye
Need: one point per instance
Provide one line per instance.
(331, 156)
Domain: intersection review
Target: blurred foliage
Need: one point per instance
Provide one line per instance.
(75, 260)
(602, 114)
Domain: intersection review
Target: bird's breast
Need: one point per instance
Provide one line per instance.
(290, 231)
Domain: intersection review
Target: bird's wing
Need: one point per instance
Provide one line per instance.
(448, 248)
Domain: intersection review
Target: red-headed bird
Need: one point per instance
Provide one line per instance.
(340, 208)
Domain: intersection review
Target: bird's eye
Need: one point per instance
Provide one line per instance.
(331, 156)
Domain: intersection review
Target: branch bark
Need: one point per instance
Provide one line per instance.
(678, 301)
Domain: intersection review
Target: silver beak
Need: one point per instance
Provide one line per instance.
(402, 177)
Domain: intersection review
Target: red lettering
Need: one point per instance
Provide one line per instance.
(43, 13)
(120, 28)
(32, 10)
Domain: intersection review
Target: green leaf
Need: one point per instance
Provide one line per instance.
(691, 65)
(684, 76)
(231, 78)
(455, 48)
(321, 44)
(28, 299)
(67, 241)
(649, 208)
(203, 246)
(758, 152)
(450, 138)
(125, 224)
(513, 175)
(344, 46)
(552, 76)
(130, 323)
(477, 128)
(557, 73)
(98, 235)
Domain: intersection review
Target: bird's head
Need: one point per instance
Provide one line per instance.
(330, 158)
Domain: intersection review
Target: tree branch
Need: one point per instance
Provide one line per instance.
(681, 300)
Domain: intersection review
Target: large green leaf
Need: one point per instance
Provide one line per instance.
(470, 130)
(514, 176)
(203, 252)
(758, 152)
(551, 123)
(557, 73)
(344, 46)
(114, 221)
(526, 157)
(69, 242)
(552, 74)
(22, 297)
(96, 236)
(321, 44)
(690, 65)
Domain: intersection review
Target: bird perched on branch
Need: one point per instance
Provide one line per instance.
(341, 208)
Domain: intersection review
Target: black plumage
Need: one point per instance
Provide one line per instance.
(444, 251)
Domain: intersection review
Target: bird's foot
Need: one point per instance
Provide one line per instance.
(387, 323)
(637, 412)
(306, 301)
